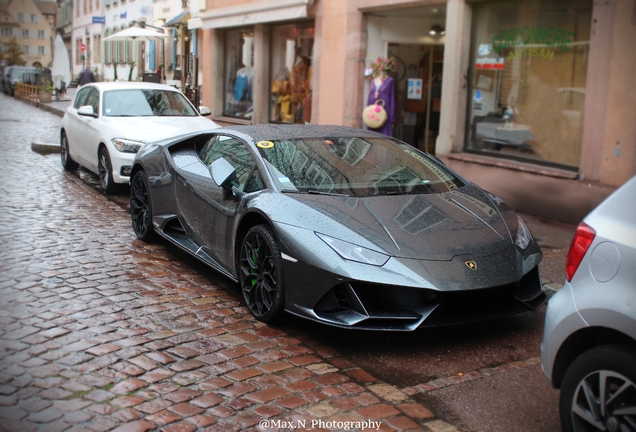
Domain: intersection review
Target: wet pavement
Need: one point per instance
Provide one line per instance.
(108, 317)
(100, 331)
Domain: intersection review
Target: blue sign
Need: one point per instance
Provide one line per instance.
(122, 15)
(99, 20)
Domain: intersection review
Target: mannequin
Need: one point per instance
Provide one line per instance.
(243, 84)
(382, 87)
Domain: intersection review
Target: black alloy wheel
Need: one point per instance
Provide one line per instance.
(68, 163)
(598, 392)
(261, 274)
(106, 172)
(141, 207)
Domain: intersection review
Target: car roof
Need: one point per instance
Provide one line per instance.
(125, 85)
(290, 131)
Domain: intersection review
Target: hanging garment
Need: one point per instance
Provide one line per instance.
(241, 87)
(386, 92)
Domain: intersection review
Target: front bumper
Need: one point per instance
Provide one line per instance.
(368, 306)
(119, 161)
(404, 294)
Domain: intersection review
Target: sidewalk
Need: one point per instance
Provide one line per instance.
(59, 107)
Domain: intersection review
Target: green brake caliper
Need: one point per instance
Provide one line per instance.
(253, 258)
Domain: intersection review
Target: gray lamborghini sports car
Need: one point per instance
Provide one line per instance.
(342, 226)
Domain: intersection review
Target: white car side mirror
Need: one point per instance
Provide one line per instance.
(86, 110)
(204, 111)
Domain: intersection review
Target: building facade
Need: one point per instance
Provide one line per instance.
(31, 24)
(532, 100)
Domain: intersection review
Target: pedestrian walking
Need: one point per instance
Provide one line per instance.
(86, 76)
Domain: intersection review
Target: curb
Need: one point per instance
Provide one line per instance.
(58, 112)
(45, 148)
(469, 376)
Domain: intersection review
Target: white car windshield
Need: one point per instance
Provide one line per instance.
(146, 103)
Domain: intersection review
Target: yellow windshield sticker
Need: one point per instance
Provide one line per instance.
(265, 144)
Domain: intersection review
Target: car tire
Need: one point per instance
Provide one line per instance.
(67, 162)
(141, 207)
(105, 170)
(605, 372)
(261, 274)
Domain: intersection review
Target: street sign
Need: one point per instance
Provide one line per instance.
(83, 47)
(99, 20)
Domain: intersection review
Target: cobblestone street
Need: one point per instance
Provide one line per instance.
(99, 331)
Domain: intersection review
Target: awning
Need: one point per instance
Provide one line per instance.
(181, 19)
(254, 13)
(195, 23)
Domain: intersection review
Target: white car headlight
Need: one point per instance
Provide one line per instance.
(352, 252)
(523, 234)
(126, 146)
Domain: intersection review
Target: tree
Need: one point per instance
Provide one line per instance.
(13, 54)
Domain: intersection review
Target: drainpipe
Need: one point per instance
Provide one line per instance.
(174, 49)
(102, 44)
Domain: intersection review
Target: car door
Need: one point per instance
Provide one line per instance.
(88, 131)
(75, 124)
(209, 210)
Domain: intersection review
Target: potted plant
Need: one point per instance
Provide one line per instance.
(46, 91)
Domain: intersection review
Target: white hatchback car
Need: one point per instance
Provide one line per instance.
(109, 122)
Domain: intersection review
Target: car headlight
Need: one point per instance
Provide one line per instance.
(524, 238)
(126, 146)
(352, 252)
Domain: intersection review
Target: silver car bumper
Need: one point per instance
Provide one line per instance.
(562, 319)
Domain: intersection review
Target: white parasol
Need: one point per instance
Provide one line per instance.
(61, 70)
(136, 34)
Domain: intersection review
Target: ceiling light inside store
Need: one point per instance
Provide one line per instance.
(437, 29)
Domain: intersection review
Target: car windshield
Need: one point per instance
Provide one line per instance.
(146, 103)
(354, 167)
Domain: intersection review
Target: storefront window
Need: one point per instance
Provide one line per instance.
(292, 51)
(239, 73)
(528, 79)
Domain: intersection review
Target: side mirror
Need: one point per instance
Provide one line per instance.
(205, 111)
(87, 111)
(222, 173)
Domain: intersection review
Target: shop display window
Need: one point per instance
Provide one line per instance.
(239, 73)
(528, 79)
(290, 69)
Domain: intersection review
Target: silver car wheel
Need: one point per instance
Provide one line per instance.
(105, 172)
(68, 163)
(604, 400)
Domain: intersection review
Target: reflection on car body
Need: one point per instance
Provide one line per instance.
(338, 225)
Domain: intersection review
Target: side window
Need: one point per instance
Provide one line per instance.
(238, 155)
(93, 99)
(80, 98)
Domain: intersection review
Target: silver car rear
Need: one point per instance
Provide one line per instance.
(589, 343)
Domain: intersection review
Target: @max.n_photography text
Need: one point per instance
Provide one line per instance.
(332, 425)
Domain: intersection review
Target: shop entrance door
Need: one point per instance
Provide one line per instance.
(418, 77)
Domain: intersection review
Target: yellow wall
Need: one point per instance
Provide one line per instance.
(28, 7)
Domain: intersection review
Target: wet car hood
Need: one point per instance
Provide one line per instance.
(423, 226)
(149, 129)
